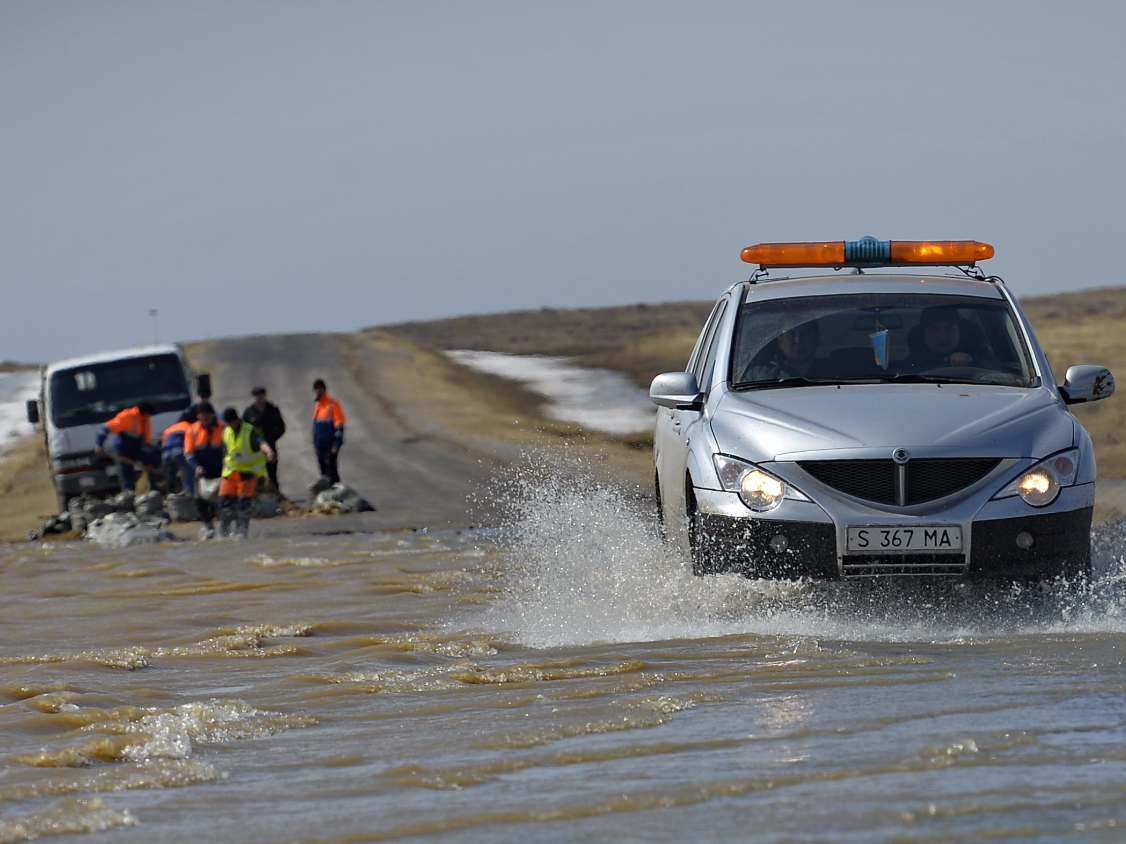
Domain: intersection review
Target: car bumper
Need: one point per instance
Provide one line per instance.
(800, 539)
(92, 482)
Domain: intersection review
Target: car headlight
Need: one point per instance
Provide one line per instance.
(1039, 485)
(759, 490)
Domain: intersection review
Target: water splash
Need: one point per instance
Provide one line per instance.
(585, 564)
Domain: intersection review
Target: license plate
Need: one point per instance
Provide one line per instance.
(87, 481)
(876, 539)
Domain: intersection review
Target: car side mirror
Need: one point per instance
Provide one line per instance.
(676, 390)
(33, 411)
(1086, 383)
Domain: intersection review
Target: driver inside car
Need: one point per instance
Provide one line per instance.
(941, 341)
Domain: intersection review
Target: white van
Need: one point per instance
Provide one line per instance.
(77, 396)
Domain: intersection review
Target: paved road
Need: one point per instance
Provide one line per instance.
(412, 481)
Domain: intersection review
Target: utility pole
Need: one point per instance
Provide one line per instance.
(155, 332)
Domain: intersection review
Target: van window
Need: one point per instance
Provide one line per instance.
(89, 395)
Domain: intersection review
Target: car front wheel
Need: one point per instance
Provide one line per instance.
(704, 558)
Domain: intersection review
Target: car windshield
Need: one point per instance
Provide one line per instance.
(92, 394)
(878, 337)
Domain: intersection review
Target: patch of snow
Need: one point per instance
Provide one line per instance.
(15, 389)
(594, 399)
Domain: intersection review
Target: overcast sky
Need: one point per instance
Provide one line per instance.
(248, 167)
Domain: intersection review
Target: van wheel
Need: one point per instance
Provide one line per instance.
(703, 554)
(63, 500)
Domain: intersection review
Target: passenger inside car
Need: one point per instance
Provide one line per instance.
(792, 354)
(943, 339)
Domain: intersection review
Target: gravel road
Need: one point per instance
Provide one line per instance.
(413, 480)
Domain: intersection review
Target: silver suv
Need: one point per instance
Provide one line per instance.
(860, 424)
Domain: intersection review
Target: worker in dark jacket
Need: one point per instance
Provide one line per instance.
(328, 430)
(267, 419)
(172, 453)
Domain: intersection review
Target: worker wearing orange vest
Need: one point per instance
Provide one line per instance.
(132, 428)
(203, 450)
(328, 431)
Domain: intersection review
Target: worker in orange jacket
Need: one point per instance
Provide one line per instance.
(132, 429)
(328, 430)
(203, 451)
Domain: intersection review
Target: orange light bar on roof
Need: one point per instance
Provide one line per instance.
(953, 252)
(796, 254)
(869, 252)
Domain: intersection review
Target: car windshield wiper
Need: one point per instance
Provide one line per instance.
(799, 381)
(900, 378)
(1001, 379)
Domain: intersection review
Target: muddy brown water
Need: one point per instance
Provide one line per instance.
(560, 678)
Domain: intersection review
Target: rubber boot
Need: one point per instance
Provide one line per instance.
(226, 515)
(242, 529)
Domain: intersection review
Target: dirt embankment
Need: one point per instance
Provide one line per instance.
(26, 494)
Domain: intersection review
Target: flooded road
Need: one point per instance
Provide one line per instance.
(560, 679)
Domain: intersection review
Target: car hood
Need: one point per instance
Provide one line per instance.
(868, 420)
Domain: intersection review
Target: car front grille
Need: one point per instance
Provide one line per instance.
(883, 565)
(915, 482)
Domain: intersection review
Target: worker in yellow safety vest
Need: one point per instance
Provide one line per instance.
(244, 461)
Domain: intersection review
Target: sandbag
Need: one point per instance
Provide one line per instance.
(77, 507)
(123, 501)
(319, 485)
(149, 503)
(123, 530)
(208, 488)
(182, 507)
(55, 524)
(265, 508)
(341, 499)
